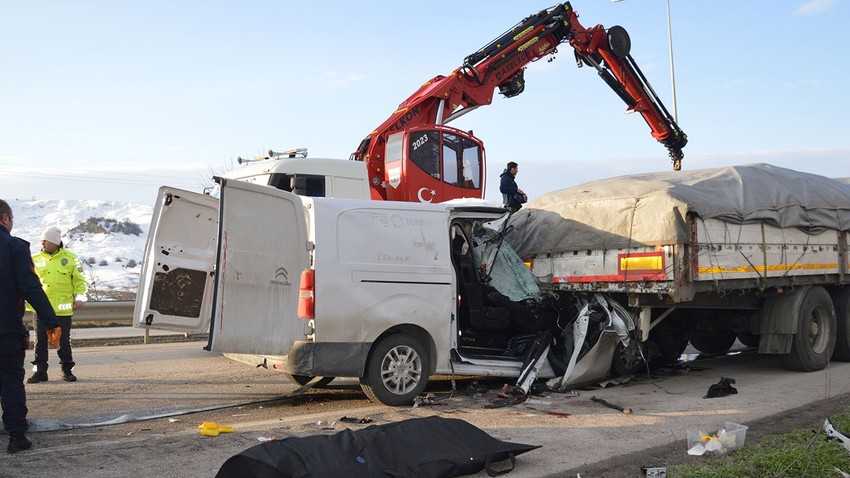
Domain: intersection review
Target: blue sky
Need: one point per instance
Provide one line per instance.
(108, 100)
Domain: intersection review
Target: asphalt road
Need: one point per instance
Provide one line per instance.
(185, 386)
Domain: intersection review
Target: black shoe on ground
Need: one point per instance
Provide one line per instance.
(38, 377)
(18, 442)
(68, 377)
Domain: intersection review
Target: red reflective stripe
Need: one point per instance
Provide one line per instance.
(629, 276)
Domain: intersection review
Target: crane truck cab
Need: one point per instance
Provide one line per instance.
(292, 171)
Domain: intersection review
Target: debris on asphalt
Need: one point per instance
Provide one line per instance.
(552, 412)
(722, 388)
(508, 395)
(268, 438)
(511, 391)
(567, 393)
(539, 388)
(212, 429)
(616, 380)
(429, 400)
(729, 438)
(476, 388)
(626, 411)
(355, 420)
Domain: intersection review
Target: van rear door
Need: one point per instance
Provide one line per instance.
(175, 286)
(263, 249)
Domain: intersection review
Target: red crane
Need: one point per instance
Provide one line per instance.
(414, 156)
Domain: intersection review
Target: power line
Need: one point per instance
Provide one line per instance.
(86, 171)
(131, 181)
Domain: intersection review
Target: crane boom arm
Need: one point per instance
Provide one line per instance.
(501, 64)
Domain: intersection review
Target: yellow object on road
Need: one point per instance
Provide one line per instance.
(212, 429)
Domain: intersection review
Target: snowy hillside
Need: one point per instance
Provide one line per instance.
(109, 237)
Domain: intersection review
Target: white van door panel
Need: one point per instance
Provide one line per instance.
(175, 286)
(262, 251)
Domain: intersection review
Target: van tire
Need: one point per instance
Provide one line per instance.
(302, 380)
(627, 359)
(841, 299)
(396, 371)
(814, 342)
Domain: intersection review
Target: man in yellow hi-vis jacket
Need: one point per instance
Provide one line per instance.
(61, 275)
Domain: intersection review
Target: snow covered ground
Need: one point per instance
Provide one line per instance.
(101, 233)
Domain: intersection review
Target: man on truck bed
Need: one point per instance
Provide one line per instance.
(512, 196)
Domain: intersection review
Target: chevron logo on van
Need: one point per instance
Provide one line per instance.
(281, 277)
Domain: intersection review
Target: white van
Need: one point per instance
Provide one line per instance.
(390, 292)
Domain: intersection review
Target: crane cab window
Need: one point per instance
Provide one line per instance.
(424, 151)
(393, 148)
(452, 158)
(461, 162)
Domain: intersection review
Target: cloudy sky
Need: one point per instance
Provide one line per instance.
(108, 100)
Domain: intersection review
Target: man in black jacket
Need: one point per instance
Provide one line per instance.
(512, 195)
(18, 283)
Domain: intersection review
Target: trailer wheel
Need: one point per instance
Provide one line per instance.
(841, 300)
(714, 343)
(397, 370)
(303, 379)
(814, 342)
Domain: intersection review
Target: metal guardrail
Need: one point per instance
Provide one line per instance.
(102, 311)
(105, 311)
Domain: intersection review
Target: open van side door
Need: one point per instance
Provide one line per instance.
(176, 283)
(263, 248)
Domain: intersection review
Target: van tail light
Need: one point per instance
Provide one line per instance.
(306, 295)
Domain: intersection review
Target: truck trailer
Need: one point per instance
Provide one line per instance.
(756, 253)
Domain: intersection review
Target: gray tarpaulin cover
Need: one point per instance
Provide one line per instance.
(650, 209)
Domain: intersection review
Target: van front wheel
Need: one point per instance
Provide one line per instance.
(397, 370)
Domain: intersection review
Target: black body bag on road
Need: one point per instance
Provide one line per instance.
(421, 447)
